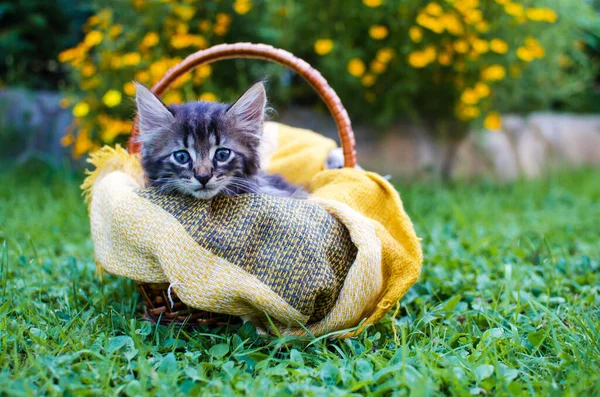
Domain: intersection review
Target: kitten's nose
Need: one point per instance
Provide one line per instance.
(203, 178)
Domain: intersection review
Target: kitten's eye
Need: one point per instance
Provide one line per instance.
(181, 156)
(222, 154)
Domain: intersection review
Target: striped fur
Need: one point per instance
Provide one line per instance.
(203, 149)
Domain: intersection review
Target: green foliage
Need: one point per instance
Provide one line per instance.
(508, 304)
(446, 63)
(32, 33)
(565, 80)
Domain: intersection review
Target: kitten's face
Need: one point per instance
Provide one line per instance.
(201, 148)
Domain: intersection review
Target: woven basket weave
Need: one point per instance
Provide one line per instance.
(161, 304)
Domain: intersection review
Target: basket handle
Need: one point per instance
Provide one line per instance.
(269, 53)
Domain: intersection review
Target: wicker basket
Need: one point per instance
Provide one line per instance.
(162, 305)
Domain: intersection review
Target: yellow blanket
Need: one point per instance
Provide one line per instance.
(366, 254)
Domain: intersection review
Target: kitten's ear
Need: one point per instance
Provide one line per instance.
(153, 115)
(248, 112)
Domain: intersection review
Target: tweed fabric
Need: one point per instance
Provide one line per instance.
(130, 240)
(295, 247)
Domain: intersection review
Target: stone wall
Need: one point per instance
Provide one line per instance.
(526, 146)
(31, 125)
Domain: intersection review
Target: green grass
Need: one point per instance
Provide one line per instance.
(508, 303)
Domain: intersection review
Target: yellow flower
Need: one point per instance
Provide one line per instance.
(416, 34)
(430, 52)
(472, 112)
(93, 20)
(93, 38)
(129, 88)
(208, 97)
(203, 71)
(83, 143)
(65, 103)
(445, 59)
(223, 19)
(90, 84)
(482, 90)
(482, 27)
(452, 24)
(372, 3)
(378, 32)
(499, 46)
(173, 96)
(88, 70)
(132, 58)
(182, 28)
(67, 139)
(378, 66)
(493, 121)
(142, 76)
(434, 9)
(204, 25)
(356, 67)
(242, 6)
(535, 14)
(186, 40)
(525, 54)
(115, 62)
(115, 31)
(472, 17)
(110, 127)
(466, 113)
(564, 61)
(551, 16)
(535, 47)
(68, 55)
(150, 39)
(420, 59)
(514, 9)
(469, 97)
(81, 109)
(184, 12)
(368, 80)
(370, 96)
(461, 46)
(541, 14)
(385, 55)
(434, 24)
(221, 30)
(112, 98)
(493, 73)
(323, 46)
(480, 46)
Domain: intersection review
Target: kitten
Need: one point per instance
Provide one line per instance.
(203, 149)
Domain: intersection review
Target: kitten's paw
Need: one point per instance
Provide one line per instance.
(300, 194)
(335, 160)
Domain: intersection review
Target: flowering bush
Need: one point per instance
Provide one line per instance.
(448, 62)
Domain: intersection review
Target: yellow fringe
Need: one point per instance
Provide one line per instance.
(106, 160)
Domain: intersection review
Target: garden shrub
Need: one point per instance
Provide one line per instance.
(32, 33)
(450, 63)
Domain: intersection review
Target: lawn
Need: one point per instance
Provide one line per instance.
(508, 303)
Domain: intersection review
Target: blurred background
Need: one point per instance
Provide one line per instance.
(448, 88)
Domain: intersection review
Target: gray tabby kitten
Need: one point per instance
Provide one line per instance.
(203, 149)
